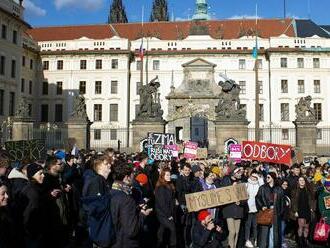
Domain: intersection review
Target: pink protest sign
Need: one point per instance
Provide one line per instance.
(174, 149)
(190, 150)
(235, 152)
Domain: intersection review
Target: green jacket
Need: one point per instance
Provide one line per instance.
(325, 213)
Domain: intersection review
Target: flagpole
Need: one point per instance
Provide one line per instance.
(147, 61)
(256, 68)
(141, 57)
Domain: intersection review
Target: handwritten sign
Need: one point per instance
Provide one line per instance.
(235, 153)
(327, 202)
(190, 150)
(26, 149)
(160, 154)
(161, 139)
(202, 153)
(216, 197)
(174, 149)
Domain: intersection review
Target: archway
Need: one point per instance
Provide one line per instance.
(199, 131)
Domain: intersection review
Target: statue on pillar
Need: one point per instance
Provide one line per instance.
(79, 109)
(22, 110)
(150, 107)
(229, 104)
(304, 111)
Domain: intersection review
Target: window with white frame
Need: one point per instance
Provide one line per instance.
(284, 62)
(300, 62)
(284, 86)
(113, 134)
(285, 134)
(317, 86)
(301, 86)
(155, 65)
(242, 85)
(241, 64)
(285, 112)
(114, 87)
(316, 63)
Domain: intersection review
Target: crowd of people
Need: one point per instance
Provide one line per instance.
(51, 203)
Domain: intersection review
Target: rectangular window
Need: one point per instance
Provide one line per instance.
(44, 113)
(285, 134)
(30, 87)
(59, 88)
(30, 109)
(2, 101)
(2, 65)
(284, 86)
(45, 65)
(114, 87)
(97, 112)
(14, 36)
(285, 114)
(31, 64)
(318, 111)
(259, 64)
(242, 84)
(113, 112)
(22, 85)
(300, 62)
(83, 64)
(155, 65)
(138, 87)
(23, 61)
(319, 133)
(13, 68)
(82, 87)
(301, 86)
(284, 62)
(4, 31)
(97, 134)
(317, 86)
(261, 87)
(98, 87)
(138, 65)
(11, 103)
(113, 134)
(60, 65)
(58, 112)
(98, 64)
(261, 112)
(114, 64)
(241, 64)
(316, 63)
(45, 88)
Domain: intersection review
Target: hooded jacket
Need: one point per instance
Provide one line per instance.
(252, 188)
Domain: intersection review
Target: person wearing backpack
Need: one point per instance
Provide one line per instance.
(127, 217)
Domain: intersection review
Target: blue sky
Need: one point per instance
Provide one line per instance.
(75, 12)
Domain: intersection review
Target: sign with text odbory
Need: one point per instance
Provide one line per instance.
(160, 153)
(216, 197)
(267, 152)
(161, 139)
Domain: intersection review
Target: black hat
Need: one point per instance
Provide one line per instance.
(32, 169)
(195, 168)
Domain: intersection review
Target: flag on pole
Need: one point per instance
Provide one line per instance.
(141, 52)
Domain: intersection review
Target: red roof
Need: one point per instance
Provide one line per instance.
(224, 29)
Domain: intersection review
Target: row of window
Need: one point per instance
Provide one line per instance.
(4, 33)
(301, 86)
(113, 112)
(286, 134)
(300, 63)
(3, 67)
(98, 134)
(31, 62)
(23, 86)
(83, 64)
(59, 88)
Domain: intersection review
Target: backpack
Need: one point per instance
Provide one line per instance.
(99, 219)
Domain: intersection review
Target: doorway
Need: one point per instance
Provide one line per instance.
(199, 131)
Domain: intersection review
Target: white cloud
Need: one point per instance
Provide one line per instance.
(32, 9)
(84, 4)
(244, 17)
(181, 19)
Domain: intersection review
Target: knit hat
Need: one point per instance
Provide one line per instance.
(216, 170)
(195, 168)
(317, 176)
(326, 182)
(142, 178)
(60, 155)
(32, 169)
(202, 215)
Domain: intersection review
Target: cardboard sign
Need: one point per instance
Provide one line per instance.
(235, 153)
(190, 150)
(160, 154)
(26, 149)
(202, 153)
(161, 139)
(267, 152)
(216, 197)
(327, 202)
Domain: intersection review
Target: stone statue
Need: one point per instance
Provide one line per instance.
(79, 108)
(150, 107)
(304, 111)
(22, 111)
(229, 104)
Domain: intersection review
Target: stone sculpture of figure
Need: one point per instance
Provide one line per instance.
(229, 104)
(150, 107)
(79, 108)
(304, 111)
(22, 111)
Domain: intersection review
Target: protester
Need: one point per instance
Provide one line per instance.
(286, 212)
(165, 209)
(325, 194)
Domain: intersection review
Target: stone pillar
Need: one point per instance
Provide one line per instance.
(80, 132)
(306, 136)
(142, 128)
(22, 129)
(225, 130)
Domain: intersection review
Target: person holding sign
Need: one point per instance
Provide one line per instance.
(324, 201)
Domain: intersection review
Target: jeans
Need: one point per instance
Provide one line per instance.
(271, 237)
(251, 222)
(283, 225)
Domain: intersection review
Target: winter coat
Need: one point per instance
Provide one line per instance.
(165, 202)
(295, 198)
(203, 238)
(325, 213)
(252, 188)
(95, 185)
(125, 216)
(183, 187)
(7, 229)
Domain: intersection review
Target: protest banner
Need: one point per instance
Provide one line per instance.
(161, 139)
(327, 202)
(202, 153)
(190, 150)
(160, 154)
(267, 152)
(26, 149)
(216, 197)
(235, 153)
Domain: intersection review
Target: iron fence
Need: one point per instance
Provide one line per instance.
(54, 137)
(285, 136)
